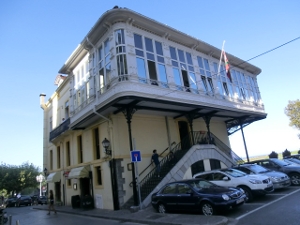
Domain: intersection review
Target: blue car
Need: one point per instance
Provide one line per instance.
(197, 195)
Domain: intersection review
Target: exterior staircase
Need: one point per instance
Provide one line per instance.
(151, 180)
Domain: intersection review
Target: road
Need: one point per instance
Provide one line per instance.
(28, 216)
(277, 208)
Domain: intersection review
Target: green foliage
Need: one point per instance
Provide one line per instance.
(14, 179)
(292, 110)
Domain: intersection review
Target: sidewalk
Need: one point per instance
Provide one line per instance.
(146, 216)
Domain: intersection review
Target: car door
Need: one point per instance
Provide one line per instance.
(218, 179)
(186, 198)
(169, 196)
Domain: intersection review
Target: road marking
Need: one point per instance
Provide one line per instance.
(246, 214)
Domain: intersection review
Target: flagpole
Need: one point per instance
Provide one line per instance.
(221, 56)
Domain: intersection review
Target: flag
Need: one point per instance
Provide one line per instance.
(227, 67)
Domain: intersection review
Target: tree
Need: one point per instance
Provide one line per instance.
(292, 110)
(14, 179)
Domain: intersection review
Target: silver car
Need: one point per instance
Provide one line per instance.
(279, 179)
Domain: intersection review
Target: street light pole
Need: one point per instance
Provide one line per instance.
(40, 179)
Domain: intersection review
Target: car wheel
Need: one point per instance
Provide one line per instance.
(161, 208)
(207, 209)
(295, 179)
(248, 193)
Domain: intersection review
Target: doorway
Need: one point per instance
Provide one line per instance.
(184, 135)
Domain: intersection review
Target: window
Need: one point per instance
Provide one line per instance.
(214, 164)
(79, 149)
(68, 152)
(197, 167)
(96, 143)
(170, 189)
(51, 160)
(183, 189)
(185, 78)
(121, 54)
(67, 110)
(98, 173)
(58, 157)
(50, 123)
(219, 176)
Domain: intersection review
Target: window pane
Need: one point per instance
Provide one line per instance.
(159, 50)
(192, 79)
(119, 36)
(162, 73)
(177, 77)
(141, 67)
(108, 71)
(181, 56)
(122, 64)
(139, 53)
(150, 56)
(106, 47)
(149, 45)
(200, 63)
(206, 64)
(160, 59)
(173, 53)
(138, 41)
(100, 52)
(189, 58)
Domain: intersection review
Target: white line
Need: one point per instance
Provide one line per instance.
(240, 217)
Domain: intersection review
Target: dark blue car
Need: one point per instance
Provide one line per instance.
(196, 195)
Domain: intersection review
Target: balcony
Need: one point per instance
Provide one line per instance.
(60, 129)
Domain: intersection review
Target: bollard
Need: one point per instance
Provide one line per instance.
(9, 220)
(17, 222)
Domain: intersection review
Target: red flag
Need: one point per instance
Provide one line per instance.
(227, 67)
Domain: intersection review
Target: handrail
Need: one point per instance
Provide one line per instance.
(149, 182)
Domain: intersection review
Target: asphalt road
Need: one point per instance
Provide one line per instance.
(28, 216)
(277, 208)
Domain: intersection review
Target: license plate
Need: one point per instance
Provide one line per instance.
(239, 200)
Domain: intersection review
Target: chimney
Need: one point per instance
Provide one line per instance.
(42, 101)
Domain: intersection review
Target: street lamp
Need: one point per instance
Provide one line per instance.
(105, 144)
(46, 175)
(40, 179)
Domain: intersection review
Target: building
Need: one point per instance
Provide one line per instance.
(136, 84)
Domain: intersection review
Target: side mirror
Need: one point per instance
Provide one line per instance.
(225, 178)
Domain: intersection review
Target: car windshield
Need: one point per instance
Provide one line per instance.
(234, 172)
(280, 162)
(258, 169)
(201, 184)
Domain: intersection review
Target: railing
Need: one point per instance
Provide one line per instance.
(134, 78)
(60, 129)
(149, 182)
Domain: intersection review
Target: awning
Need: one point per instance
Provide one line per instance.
(79, 172)
(53, 177)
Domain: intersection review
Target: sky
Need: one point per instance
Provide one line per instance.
(38, 36)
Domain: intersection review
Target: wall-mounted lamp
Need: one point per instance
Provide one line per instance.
(106, 144)
(46, 172)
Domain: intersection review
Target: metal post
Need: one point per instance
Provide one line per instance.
(245, 146)
(138, 185)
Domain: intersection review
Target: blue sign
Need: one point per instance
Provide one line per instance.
(136, 156)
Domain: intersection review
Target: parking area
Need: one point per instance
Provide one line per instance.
(260, 201)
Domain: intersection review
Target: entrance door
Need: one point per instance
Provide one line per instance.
(184, 135)
(57, 191)
(85, 187)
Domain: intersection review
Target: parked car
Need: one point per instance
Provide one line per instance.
(196, 194)
(292, 170)
(23, 200)
(251, 184)
(42, 200)
(292, 160)
(10, 202)
(279, 179)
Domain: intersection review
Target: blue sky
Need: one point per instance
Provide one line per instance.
(37, 37)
